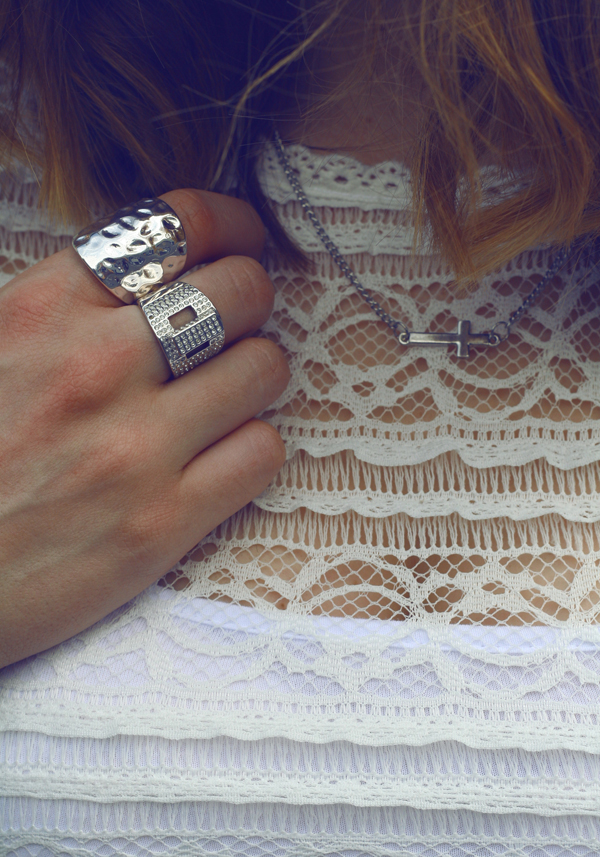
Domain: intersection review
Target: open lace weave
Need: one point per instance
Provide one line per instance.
(405, 620)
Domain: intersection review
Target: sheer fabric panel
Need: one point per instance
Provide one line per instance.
(395, 649)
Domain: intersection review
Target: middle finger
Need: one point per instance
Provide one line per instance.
(241, 292)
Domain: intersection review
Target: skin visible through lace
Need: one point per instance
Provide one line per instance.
(493, 383)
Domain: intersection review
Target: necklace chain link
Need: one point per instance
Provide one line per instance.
(499, 333)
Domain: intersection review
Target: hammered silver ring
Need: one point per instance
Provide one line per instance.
(186, 323)
(136, 249)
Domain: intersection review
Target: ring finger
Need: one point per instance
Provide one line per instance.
(210, 402)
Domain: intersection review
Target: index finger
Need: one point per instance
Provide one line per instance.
(215, 226)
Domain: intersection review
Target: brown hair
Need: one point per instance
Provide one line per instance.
(121, 99)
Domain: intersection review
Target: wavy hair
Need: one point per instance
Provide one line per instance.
(117, 100)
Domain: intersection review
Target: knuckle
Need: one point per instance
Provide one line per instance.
(87, 371)
(119, 458)
(143, 529)
(211, 218)
(32, 308)
(80, 381)
(266, 448)
(129, 342)
(200, 218)
(253, 215)
(267, 360)
(254, 289)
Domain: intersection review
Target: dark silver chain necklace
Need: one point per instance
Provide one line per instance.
(463, 339)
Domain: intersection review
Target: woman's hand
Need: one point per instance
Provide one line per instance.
(109, 472)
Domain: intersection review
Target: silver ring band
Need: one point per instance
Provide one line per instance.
(136, 249)
(192, 338)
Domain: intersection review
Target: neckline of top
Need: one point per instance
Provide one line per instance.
(335, 179)
(340, 180)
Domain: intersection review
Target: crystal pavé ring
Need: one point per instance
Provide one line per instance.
(136, 249)
(198, 336)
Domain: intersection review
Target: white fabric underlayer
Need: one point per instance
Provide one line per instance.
(395, 649)
(223, 669)
(80, 828)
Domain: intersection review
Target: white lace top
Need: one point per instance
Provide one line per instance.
(395, 648)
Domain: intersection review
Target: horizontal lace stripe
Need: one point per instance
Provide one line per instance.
(170, 664)
(187, 829)
(439, 776)
(441, 486)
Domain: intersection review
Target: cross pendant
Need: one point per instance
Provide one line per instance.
(463, 338)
